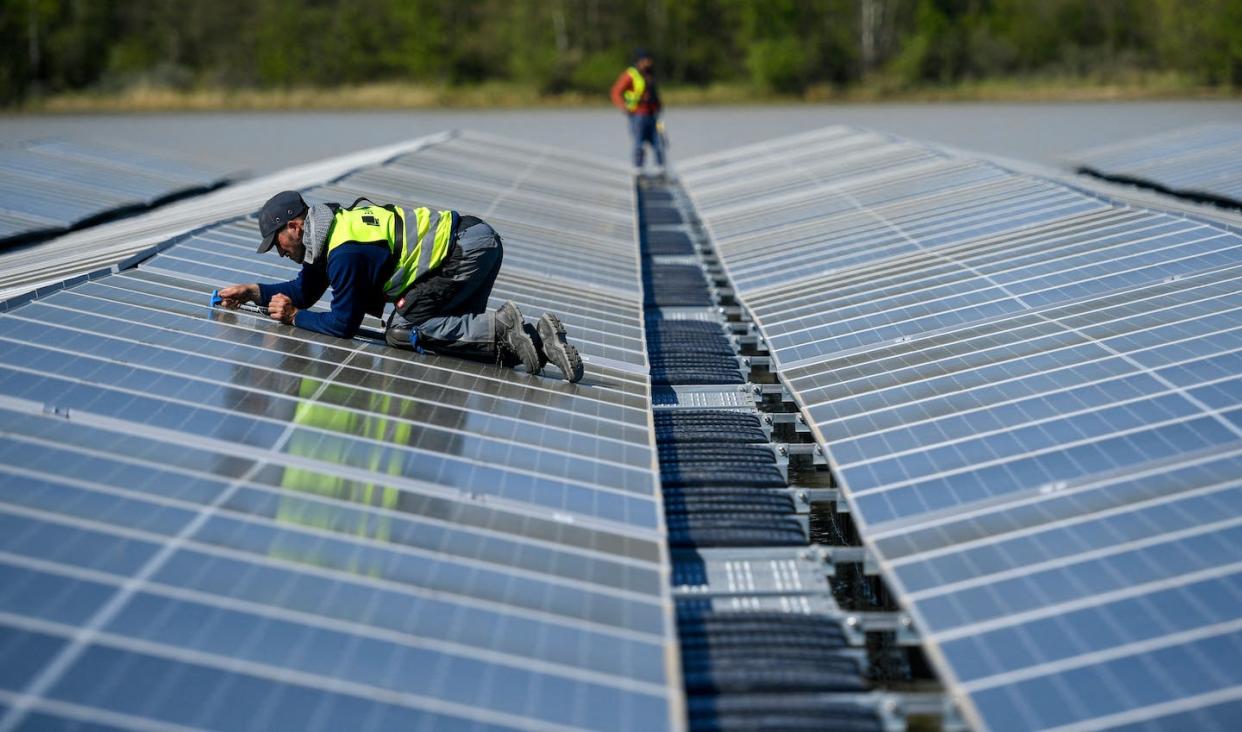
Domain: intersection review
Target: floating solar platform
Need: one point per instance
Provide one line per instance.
(209, 520)
(1203, 163)
(52, 186)
(1031, 399)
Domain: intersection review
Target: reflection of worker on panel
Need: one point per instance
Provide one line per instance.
(326, 432)
(635, 92)
(437, 267)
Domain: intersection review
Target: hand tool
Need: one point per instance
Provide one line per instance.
(247, 306)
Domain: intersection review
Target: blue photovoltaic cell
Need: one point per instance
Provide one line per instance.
(1032, 400)
(266, 528)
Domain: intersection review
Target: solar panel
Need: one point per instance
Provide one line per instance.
(1032, 399)
(53, 185)
(101, 245)
(1202, 162)
(208, 520)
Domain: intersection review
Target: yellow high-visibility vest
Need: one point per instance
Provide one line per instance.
(421, 250)
(638, 87)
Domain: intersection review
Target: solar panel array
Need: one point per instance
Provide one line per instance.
(54, 185)
(209, 520)
(1200, 162)
(101, 245)
(1031, 398)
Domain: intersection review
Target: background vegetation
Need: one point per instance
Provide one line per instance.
(418, 52)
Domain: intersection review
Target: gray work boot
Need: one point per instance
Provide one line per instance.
(513, 344)
(557, 350)
(534, 336)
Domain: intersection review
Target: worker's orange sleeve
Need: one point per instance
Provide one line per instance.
(623, 84)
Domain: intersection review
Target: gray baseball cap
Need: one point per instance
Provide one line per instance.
(279, 210)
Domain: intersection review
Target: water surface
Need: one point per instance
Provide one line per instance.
(261, 141)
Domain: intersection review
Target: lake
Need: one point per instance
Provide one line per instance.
(261, 141)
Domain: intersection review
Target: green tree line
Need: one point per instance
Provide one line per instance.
(555, 46)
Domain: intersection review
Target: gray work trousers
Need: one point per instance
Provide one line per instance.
(448, 309)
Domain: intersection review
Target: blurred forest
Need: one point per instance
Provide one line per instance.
(550, 47)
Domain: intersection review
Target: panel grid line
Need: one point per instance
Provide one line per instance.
(1037, 422)
(1029, 531)
(1087, 659)
(281, 675)
(1120, 547)
(337, 625)
(401, 549)
(270, 490)
(1204, 408)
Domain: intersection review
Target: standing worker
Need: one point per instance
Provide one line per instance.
(636, 94)
(437, 267)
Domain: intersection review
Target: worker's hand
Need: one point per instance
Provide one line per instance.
(281, 308)
(232, 297)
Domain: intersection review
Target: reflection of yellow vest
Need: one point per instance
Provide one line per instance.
(308, 444)
(422, 252)
(638, 87)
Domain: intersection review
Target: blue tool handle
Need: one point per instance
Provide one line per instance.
(249, 307)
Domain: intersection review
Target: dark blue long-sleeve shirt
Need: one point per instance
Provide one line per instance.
(355, 272)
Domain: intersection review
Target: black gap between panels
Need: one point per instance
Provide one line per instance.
(723, 488)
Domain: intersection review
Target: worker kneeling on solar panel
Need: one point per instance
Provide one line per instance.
(437, 267)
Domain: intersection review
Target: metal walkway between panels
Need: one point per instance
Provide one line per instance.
(764, 644)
